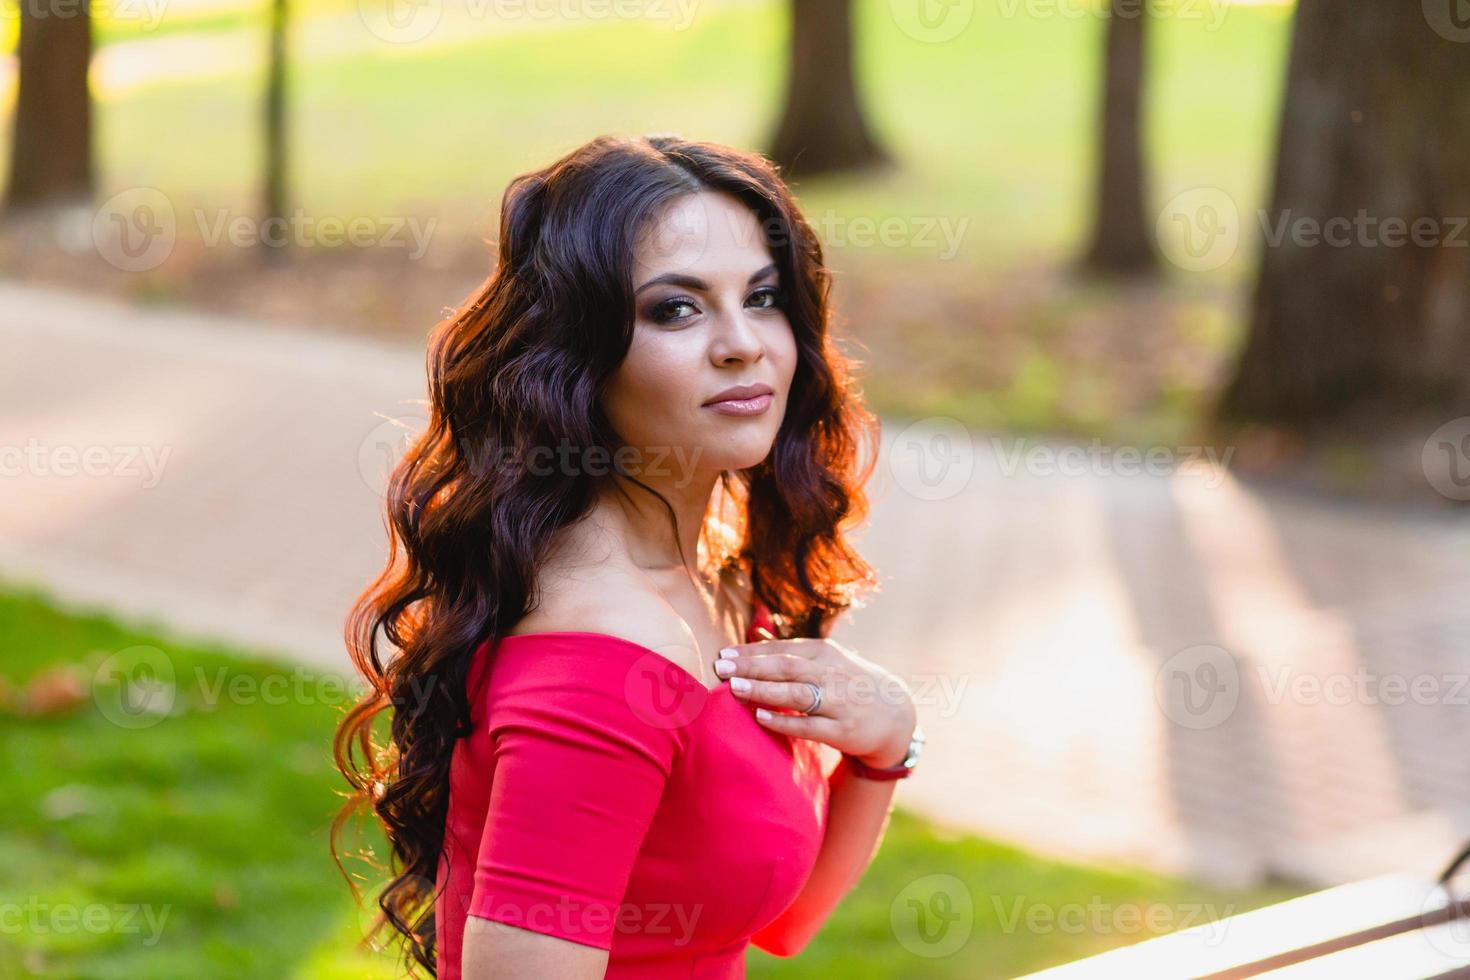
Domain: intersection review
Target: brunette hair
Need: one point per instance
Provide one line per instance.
(520, 365)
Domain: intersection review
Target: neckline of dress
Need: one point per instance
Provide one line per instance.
(626, 642)
(759, 613)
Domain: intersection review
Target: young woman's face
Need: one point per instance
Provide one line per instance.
(709, 316)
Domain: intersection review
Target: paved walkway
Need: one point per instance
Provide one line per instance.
(1166, 668)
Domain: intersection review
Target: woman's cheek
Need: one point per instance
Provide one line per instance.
(659, 380)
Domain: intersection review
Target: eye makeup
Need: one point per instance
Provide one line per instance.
(666, 311)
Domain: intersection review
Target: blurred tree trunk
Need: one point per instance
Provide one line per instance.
(51, 149)
(275, 125)
(822, 129)
(1350, 314)
(1122, 240)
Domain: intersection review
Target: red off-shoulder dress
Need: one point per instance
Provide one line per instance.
(606, 796)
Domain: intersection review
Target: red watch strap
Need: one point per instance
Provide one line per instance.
(867, 772)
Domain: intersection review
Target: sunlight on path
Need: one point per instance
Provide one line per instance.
(1047, 620)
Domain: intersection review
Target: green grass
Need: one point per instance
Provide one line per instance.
(994, 125)
(209, 824)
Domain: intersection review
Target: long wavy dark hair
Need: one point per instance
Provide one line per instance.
(520, 365)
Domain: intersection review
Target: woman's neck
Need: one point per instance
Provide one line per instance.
(640, 522)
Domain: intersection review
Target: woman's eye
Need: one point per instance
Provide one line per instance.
(668, 310)
(769, 293)
(682, 307)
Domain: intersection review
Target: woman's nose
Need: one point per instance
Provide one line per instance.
(737, 339)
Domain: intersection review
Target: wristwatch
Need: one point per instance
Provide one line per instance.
(900, 771)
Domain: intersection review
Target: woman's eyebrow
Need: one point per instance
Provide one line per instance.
(694, 282)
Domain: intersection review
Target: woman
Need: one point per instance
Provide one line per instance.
(622, 550)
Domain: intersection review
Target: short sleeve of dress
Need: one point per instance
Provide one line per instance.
(586, 731)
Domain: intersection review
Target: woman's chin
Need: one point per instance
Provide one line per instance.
(738, 457)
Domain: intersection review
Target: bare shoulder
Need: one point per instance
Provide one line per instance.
(610, 605)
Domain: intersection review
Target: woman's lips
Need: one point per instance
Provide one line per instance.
(743, 406)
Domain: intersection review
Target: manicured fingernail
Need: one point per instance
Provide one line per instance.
(724, 668)
(741, 684)
(762, 714)
(729, 652)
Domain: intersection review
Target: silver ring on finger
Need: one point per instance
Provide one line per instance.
(816, 698)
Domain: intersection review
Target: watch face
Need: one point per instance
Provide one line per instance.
(914, 746)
